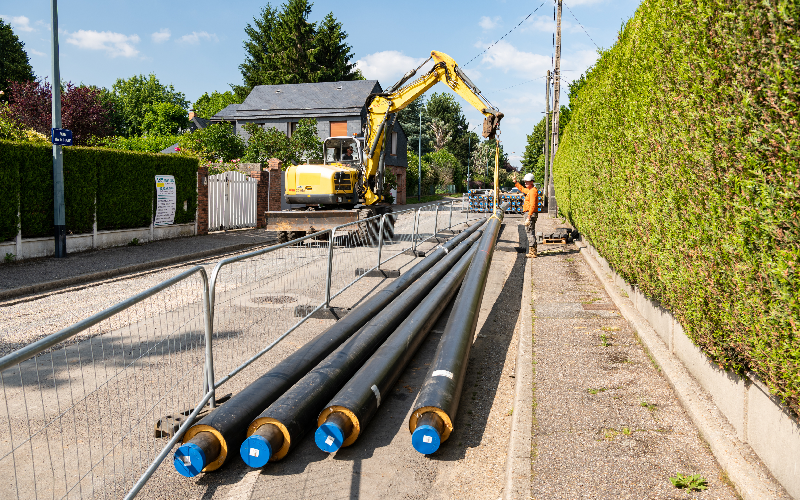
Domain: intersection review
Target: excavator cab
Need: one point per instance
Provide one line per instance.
(336, 150)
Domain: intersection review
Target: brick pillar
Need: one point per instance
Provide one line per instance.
(275, 191)
(202, 200)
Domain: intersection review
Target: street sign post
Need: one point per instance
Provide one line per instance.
(61, 137)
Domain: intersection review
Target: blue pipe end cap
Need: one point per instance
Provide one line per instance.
(329, 437)
(255, 451)
(425, 439)
(189, 460)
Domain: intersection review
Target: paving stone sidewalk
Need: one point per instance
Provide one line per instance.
(606, 422)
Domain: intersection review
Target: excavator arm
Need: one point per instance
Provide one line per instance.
(383, 108)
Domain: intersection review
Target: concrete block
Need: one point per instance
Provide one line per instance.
(775, 437)
(659, 318)
(727, 389)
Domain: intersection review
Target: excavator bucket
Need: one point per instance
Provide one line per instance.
(491, 124)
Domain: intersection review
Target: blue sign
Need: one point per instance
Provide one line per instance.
(61, 137)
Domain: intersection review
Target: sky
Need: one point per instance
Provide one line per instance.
(197, 46)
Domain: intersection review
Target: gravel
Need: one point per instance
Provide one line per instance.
(606, 423)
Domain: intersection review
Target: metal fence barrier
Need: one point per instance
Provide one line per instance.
(80, 404)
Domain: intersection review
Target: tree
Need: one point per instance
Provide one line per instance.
(207, 105)
(409, 120)
(82, 110)
(14, 63)
(333, 55)
(217, 142)
(137, 95)
(483, 161)
(441, 133)
(265, 144)
(164, 118)
(533, 159)
(283, 47)
(444, 107)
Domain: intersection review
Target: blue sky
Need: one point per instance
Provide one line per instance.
(197, 46)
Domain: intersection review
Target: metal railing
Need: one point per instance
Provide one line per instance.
(80, 403)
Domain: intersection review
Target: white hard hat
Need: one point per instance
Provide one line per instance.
(528, 178)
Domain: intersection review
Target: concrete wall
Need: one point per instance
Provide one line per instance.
(29, 248)
(760, 420)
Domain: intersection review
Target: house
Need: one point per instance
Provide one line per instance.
(339, 108)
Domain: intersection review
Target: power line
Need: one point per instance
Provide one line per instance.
(579, 23)
(509, 32)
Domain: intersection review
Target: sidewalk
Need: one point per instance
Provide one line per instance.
(606, 423)
(48, 273)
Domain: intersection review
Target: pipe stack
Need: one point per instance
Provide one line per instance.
(349, 412)
(208, 443)
(435, 409)
(285, 422)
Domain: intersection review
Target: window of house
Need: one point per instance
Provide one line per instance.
(292, 128)
(394, 143)
(338, 129)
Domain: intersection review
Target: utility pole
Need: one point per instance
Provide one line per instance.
(546, 181)
(553, 205)
(419, 168)
(59, 218)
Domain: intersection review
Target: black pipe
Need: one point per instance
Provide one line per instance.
(295, 412)
(359, 399)
(224, 429)
(442, 387)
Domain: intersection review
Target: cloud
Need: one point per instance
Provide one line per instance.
(388, 66)
(36, 52)
(505, 56)
(115, 44)
(20, 23)
(161, 36)
(488, 23)
(196, 36)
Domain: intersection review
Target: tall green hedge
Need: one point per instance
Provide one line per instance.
(682, 166)
(121, 182)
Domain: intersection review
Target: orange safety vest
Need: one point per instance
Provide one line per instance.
(531, 199)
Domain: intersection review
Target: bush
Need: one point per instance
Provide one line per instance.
(681, 166)
(121, 182)
(144, 144)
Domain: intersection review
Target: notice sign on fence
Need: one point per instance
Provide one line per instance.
(165, 200)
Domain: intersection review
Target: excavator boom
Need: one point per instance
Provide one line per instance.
(383, 108)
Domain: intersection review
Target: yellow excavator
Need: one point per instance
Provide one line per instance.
(348, 187)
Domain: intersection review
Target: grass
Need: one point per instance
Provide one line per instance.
(649, 406)
(9, 258)
(605, 340)
(425, 199)
(695, 482)
(595, 391)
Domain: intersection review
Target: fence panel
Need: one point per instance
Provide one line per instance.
(261, 296)
(77, 419)
(232, 201)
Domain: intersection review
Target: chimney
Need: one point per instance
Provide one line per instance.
(191, 114)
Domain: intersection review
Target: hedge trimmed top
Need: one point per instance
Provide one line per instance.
(121, 182)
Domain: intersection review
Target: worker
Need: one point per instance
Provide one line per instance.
(349, 154)
(530, 207)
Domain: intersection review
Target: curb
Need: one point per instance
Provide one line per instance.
(749, 481)
(111, 273)
(518, 459)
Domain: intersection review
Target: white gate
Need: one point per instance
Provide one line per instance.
(232, 200)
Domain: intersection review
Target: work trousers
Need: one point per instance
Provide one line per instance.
(530, 229)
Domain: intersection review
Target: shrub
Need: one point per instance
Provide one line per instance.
(681, 165)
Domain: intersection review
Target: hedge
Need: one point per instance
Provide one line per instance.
(682, 166)
(121, 182)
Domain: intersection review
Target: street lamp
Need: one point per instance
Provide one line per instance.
(469, 151)
(419, 156)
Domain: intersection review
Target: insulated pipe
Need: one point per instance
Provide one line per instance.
(295, 412)
(355, 405)
(435, 409)
(208, 443)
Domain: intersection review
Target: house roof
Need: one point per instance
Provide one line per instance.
(170, 149)
(304, 99)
